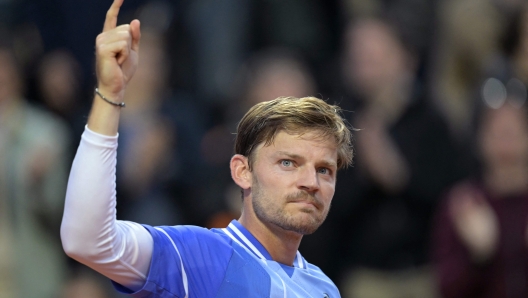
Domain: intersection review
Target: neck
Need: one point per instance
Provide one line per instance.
(507, 180)
(282, 245)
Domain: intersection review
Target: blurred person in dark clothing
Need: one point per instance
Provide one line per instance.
(33, 143)
(59, 82)
(481, 231)
(405, 160)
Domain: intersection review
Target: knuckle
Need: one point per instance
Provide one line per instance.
(99, 39)
(124, 27)
(99, 48)
(124, 34)
(124, 47)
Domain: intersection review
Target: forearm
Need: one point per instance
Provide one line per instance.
(89, 231)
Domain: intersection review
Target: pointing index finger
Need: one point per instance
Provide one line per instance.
(111, 15)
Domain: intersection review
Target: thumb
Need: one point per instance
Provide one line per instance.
(135, 30)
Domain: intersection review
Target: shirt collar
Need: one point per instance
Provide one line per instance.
(236, 230)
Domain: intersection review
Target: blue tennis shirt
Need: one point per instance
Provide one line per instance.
(190, 261)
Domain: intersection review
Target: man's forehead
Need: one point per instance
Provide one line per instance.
(285, 141)
(316, 135)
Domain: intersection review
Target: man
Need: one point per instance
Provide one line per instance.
(287, 154)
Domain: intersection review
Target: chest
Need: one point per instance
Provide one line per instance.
(247, 276)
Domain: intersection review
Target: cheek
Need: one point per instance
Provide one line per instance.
(327, 191)
(269, 181)
(274, 178)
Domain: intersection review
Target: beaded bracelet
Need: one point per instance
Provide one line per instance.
(119, 104)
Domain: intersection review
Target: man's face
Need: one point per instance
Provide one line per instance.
(293, 181)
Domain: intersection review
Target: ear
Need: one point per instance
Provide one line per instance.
(240, 171)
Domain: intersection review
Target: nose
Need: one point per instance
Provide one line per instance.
(308, 179)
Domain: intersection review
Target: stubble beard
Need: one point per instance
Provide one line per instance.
(268, 212)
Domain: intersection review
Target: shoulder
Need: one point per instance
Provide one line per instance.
(188, 259)
(188, 237)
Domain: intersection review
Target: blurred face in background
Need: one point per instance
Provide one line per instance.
(280, 77)
(59, 81)
(373, 55)
(9, 76)
(504, 137)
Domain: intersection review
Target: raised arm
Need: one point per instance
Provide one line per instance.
(90, 232)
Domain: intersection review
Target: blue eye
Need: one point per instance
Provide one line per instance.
(324, 171)
(286, 163)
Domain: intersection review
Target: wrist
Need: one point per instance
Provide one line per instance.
(111, 93)
(120, 104)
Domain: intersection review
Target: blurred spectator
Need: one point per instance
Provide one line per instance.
(469, 36)
(32, 188)
(271, 73)
(219, 31)
(415, 18)
(59, 82)
(405, 158)
(159, 134)
(481, 232)
(86, 283)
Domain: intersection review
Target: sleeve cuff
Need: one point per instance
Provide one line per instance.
(99, 139)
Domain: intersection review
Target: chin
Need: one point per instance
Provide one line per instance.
(302, 225)
(304, 230)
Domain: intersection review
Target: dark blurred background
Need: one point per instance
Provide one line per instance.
(436, 204)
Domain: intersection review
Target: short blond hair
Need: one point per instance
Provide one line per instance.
(294, 115)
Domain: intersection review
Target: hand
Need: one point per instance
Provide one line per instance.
(116, 54)
(381, 157)
(475, 222)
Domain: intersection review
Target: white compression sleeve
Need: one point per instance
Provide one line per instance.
(90, 233)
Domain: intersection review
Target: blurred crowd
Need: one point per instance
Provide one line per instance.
(436, 204)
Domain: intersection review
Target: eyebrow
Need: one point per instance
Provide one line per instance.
(325, 163)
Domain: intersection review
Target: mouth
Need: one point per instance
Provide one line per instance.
(305, 201)
(307, 204)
